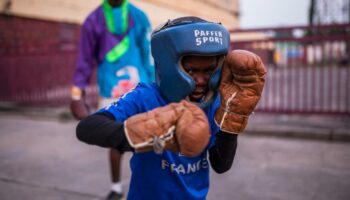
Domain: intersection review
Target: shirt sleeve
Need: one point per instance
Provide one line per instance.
(103, 130)
(86, 55)
(222, 154)
(127, 105)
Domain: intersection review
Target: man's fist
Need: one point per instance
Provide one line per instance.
(179, 127)
(192, 130)
(241, 85)
(78, 106)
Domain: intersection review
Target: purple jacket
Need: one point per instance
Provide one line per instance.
(96, 41)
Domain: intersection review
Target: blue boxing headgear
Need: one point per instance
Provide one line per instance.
(181, 37)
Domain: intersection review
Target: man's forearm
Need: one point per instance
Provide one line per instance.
(221, 156)
(101, 129)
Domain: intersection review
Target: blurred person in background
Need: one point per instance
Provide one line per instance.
(114, 37)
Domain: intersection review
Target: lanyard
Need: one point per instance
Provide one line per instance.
(107, 9)
(118, 50)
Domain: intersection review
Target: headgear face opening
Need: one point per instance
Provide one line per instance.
(182, 37)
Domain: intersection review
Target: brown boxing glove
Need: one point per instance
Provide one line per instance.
(78, 106)
(241, 85)
(192, 130)
(179, 127)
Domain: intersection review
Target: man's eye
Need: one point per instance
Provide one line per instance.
(190, 72)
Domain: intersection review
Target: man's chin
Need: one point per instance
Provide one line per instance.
(196, 98)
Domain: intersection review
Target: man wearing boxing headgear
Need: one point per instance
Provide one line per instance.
(199, 103)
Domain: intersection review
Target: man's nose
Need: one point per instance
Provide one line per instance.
(200, 79)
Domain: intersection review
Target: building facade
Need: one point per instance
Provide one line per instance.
(158, 11)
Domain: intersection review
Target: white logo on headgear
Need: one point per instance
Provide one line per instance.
(206, 36)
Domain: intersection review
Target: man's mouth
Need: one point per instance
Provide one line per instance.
(198, 93)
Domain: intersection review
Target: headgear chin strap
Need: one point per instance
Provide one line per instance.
(181, 37)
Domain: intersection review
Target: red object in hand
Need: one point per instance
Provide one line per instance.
(78, 106)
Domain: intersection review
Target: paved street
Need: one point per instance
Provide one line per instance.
(42, 160)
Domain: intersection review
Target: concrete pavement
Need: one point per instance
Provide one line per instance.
(321, 127)
(40, 158)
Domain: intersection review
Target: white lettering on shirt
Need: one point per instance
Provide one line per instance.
(185, 169)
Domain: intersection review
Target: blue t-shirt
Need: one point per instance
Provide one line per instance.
(167, 175)
(136, 64)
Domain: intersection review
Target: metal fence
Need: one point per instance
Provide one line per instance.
(37, 60)
(308, 67)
